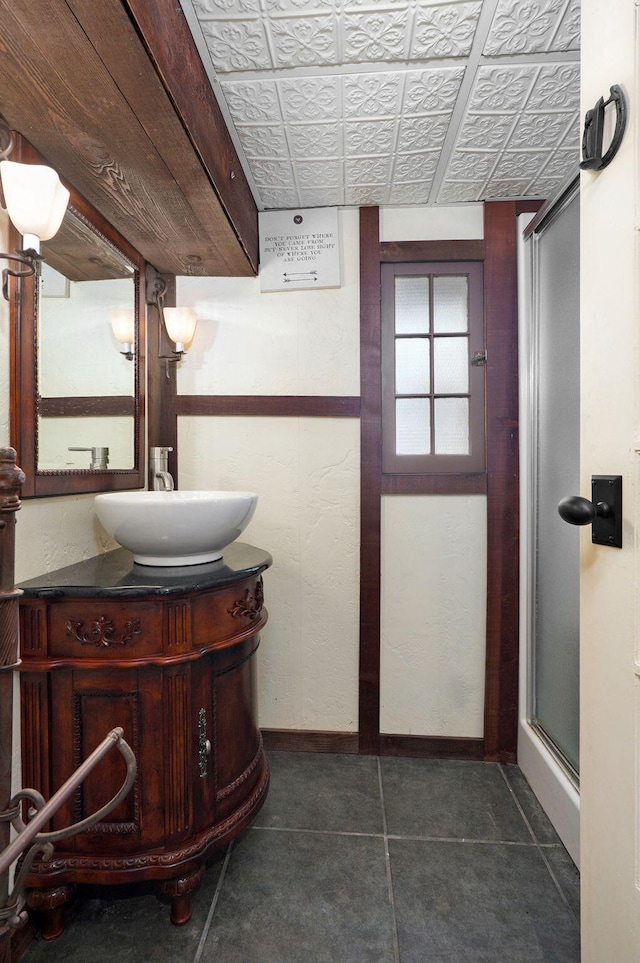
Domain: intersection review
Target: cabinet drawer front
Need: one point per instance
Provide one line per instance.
(219, 616)
(94, 629)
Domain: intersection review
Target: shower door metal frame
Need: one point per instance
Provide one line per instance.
(552, 778)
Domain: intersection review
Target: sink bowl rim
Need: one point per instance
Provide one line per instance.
(175, 528)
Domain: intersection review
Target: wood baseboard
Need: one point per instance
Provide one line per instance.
(304, 740)
(432, 747)
(419, 747)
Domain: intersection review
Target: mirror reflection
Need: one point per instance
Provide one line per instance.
(85, 384)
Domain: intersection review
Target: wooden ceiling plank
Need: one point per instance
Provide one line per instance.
(113, 35)
(68, 105)
(170, 44)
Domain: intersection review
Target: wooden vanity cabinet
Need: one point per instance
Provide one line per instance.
(173, 664)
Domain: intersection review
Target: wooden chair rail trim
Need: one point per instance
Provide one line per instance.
(279, 406)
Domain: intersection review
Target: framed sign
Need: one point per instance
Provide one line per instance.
(299, 249)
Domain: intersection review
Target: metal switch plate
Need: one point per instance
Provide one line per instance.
(607, 529)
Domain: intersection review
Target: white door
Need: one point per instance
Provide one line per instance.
(610, 437)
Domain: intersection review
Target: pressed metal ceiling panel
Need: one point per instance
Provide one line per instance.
(334, 102)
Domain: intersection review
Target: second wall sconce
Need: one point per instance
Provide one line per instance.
(179, 323)
(123, 327)
(35, 200)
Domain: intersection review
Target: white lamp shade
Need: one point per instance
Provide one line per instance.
(180, 324)
(35, 198)
(123, 325)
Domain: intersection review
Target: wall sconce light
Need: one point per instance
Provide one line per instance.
(181, 327)
(35, 201)
(123, 327)
(179, 323)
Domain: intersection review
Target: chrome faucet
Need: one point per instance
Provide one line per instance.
(99, 457)
(162, 480)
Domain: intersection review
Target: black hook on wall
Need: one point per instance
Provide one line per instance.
(593, 158)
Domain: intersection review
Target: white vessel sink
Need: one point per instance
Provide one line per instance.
(176, 527)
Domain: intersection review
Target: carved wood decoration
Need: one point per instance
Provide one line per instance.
(177, 625)
(103, 632)
(180, 761)
(249, 606)
(145, 143)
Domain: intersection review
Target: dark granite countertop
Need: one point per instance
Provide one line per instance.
(116, 575)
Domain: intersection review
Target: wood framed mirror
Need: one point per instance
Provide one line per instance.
(72, 390)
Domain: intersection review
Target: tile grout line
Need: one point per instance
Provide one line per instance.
(540, 849)
(394, 922)
(212, 908)
(412, 838)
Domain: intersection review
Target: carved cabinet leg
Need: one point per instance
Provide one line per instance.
(179, 890)
(50, 903)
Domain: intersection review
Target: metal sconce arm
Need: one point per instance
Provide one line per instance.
(156, 289)
(29, 258)
(23, 257)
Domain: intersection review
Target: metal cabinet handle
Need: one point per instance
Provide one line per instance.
(204, 744)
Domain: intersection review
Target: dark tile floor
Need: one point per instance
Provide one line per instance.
(355, 859)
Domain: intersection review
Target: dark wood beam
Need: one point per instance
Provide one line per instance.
(370, 480)
(275, 406)
(165, 31)
(501, 313)
(470, 250)
(80, 85)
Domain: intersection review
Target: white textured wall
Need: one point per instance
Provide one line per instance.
(305, 471)
(456, 223)
(306, 474)
(282, 343)
(53, 532)
(433, 614)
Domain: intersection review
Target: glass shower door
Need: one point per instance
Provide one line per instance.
(556, 473)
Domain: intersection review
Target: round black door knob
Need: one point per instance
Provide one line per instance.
(580, 511)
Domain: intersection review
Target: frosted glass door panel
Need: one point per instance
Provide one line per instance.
(451, 366)
(452, 426)
(413, 376)
(557, 474)
(450, 304)
(413, 426)
(412, 304)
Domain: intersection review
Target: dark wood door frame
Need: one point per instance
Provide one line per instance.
(500, 481)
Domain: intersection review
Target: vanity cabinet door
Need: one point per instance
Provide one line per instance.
(225, 691)
(85, 706)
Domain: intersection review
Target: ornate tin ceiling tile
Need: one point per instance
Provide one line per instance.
(527, 27)
(445, 30)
